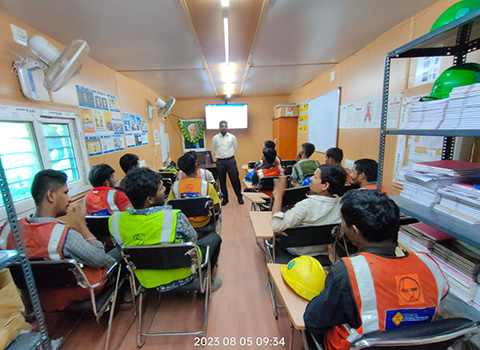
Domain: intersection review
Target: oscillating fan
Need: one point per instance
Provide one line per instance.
(59, 67)
(164, 107)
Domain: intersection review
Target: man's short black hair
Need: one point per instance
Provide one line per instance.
(309, 148)
(194, 154)
(99, 173)
(46, 180)
(335, 153)
(141, 183)
(128, 161)
(336, 176)
(374, 214)
(222, 122)
(367, 166)
(269, 144)
(187, 163)
(270, 154)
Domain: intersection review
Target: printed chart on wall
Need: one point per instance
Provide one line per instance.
(303, 118)
(368, 113)
(136, 130)
(102, 121)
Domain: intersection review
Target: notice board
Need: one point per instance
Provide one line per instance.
(323, 115)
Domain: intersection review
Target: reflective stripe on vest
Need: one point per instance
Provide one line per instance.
(4, 235)
(201, 173)
(167, 226)
(439, 278)
(54, 241)
(111, 200)
(275, 171)
(369, 312)
(115, 229)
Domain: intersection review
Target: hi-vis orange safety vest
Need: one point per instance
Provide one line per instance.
(46, 241)
(201, 173)
(101, 201)
(389, 293)
(191, 187)
(275, 171)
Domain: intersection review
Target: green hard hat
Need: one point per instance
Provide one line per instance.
(456, 11)
(460, 75)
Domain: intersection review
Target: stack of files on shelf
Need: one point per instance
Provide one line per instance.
(420, 194)
(461, 201)
(476, 299)
(461, 285)
(426, 115)
(414, 240)
(449, 167)
(428, 179)
(459, 256)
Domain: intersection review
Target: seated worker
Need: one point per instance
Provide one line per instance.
(47, 238)
(334, 155)
(203, 174)
(394, 291)
(193, 186)
(152, 223)
(127, 162)
(268, 169)
(305, 165)
(320, 208)
(267, 144)
(364, 175)
(103, 199)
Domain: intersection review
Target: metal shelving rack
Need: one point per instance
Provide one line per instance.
(30, 340)
(455, 39)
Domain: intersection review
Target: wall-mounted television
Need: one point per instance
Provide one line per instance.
(236, 115)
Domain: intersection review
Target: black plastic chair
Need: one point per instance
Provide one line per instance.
(287, 162)
(288, 170)
(436, 335)
(98, 226)
(300, 236)
(292, 196)
(168, 175)
(169, 256)
(199, 206)
(251, 165)
(168, 186)
(56, 274)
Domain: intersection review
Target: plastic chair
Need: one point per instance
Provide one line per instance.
(292, 196)
(287, 162)
(168, 186)
(55, 274)
(436, 335)
(198, 206)
(300, 236)
(169, 256)
(168, 175)
(98, 226)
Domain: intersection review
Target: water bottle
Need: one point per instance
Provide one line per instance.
(207, 158)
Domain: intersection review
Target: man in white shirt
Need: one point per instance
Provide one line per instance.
(321, 208)
(224, 145)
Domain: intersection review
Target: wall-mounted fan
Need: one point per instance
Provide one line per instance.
(164, 107)
(59, 66)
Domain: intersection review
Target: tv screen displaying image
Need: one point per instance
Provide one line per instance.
(236, 115)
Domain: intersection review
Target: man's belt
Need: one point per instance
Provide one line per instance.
(225, 158)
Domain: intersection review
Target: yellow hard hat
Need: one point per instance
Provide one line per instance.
(305, 275)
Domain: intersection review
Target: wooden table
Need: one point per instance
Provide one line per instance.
(248, 185)
(261, 224)
(294, 304)
(256, 198)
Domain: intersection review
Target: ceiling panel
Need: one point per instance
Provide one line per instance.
(122, 34)
(176, 83)
(280, 80)
(320, 31)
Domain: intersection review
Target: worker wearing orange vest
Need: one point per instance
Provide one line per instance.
(48, 238)
(192, 186)
(103, 199)
(268, 169)
(375, 290)
(364, 175)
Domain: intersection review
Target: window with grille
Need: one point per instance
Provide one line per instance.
(32, 140)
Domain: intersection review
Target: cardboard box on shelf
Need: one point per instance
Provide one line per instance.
(287, 111)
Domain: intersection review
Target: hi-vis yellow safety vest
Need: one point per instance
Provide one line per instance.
(145, 230)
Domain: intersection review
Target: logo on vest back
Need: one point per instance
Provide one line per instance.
(409, 290)
(139, 239)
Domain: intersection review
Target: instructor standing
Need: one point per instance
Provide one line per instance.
(224, 145)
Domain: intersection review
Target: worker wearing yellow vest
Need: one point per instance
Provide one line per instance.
(152, 223)
(47, 238)
(193, 186)
(375, 290)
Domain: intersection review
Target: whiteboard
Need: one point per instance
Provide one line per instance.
(323, 120)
